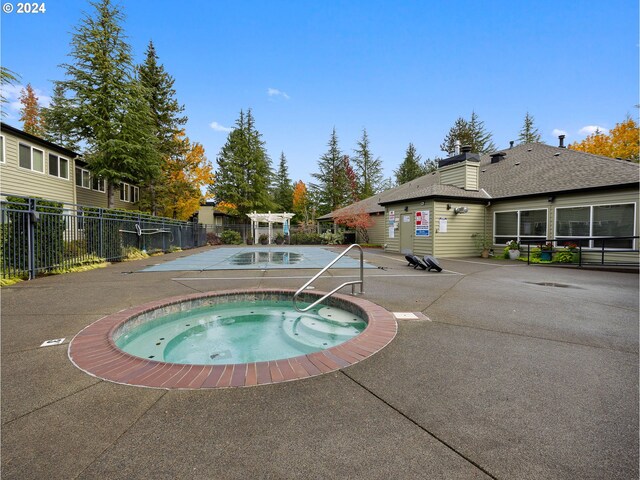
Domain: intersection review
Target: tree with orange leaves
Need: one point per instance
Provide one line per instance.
(623, 141)
(301, 200)
(186, 176)
(357, 219)
(30, 113)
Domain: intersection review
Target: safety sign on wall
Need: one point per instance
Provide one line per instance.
(422, 223)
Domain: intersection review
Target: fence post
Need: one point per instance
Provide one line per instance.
(32, 218)
(164, 237)
(100, 233)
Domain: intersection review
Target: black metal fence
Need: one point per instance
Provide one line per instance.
(583, 251)
(39, 236)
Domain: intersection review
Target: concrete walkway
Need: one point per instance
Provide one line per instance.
(518, 373)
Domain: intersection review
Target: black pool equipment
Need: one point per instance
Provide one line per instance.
(414, 261)
(432, 263)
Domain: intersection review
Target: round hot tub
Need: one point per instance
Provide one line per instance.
(231, 338)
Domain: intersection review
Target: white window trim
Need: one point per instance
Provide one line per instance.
(68, 177)
(131, 192)
(104, 184)
(4, 151)
(31, 149)
(520, 237)
(591, 207)
(81, 177)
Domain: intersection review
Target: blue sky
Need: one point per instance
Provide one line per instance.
(404, 70)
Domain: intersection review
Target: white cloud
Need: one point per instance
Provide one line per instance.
(274, 92)
(219, 128)
(12, 94)
(556, 132)
(591, 129)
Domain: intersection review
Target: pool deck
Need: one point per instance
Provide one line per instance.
(509, 371)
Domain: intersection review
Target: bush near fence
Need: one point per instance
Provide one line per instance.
(48, 234)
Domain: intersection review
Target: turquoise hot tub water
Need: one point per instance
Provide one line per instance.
(240, 332)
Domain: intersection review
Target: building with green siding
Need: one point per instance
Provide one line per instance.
(529, 193)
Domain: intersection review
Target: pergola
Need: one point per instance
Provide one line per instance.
(270, 218)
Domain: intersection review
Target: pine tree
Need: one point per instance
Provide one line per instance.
(283, 189)
(107, 108)
(368, 169)
(244, 169)
(481, 141)
(332, 190)
(30, 113)
(410, 168)
(470, 133)
(57, 128)
(529, 133)
(167, 117)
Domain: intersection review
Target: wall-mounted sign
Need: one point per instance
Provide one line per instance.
(422, 223)
(443, 225)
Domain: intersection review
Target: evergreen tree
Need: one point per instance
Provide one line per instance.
(57, 128)
(30, 113)
(244, 169)
(470, 133)
(410, 168)
(332, 190)
(368, 169)
(107, 107)
(529, 133)
(283, 189)
(167, 118)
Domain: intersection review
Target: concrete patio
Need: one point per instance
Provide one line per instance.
(519, 372)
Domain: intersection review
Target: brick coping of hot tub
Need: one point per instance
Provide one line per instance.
(93, 350)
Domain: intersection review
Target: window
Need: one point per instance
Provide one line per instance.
(83, 178)
(97, 184)
(129, 193)
(1, 149)
(575, 223)
(124, 192)
(31, 158)
(520, 225)
(58, 166)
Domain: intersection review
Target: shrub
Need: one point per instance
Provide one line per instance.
(301, 238)
(213, 239)
(230, 237)
(330, 238)
(564, 256)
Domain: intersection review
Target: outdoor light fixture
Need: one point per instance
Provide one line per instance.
(406, 209)
(448, 206)
(460, 210)
(551, 198)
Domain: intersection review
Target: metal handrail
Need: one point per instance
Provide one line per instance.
(313, 279)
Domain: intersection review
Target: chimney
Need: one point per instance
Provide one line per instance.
(456, 147)
(511, 144)
(561, 138)
(466, 148)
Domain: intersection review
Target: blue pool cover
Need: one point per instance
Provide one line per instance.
(258, 258)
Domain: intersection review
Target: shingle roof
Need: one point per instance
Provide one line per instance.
(528, 169)
(368, 205)
(536, 168)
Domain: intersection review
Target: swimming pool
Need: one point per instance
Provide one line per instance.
(95, 351)
(257, 258)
